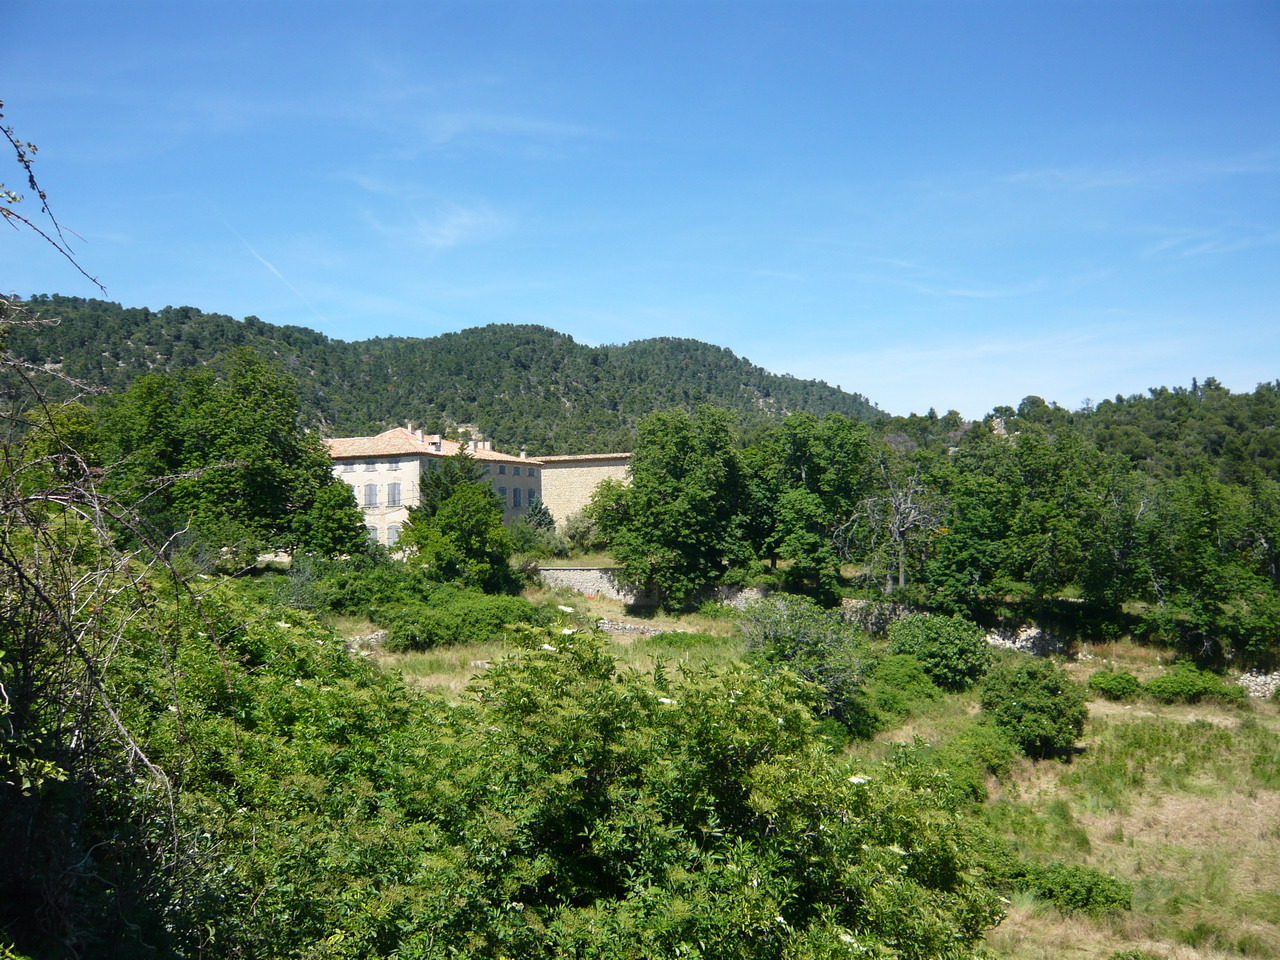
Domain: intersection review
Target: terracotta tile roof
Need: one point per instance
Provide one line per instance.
(399, 442)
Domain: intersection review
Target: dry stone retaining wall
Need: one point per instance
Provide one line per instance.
(594, 582)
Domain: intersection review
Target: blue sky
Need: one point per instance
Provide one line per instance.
(948, 205)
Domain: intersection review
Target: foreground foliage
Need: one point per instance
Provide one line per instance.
(566, 810)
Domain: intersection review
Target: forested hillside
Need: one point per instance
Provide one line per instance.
(522, 385)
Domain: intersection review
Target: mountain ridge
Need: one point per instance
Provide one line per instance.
(523, 385)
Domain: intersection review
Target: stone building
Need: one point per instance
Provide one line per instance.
(569, 482)
(385, 470)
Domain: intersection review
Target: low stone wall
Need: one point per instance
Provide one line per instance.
(595, 582)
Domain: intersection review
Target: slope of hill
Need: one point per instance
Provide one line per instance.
(522, 385)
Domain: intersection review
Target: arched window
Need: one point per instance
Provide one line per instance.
(393, 534)
(373, 533)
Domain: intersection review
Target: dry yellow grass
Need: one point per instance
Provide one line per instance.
(1204, 859)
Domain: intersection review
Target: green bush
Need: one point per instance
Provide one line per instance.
(1132, 955)
(456, 616)
(356, 585)
(988, 748)
(898, 685)
(1184, 682)
(714, 610)
(1115, 685)
(1036, 704)
(952, 650)
(1073, 888)
(795, 633)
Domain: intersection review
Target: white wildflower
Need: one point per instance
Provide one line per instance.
(547, 646)
(666, 700)
(567, 631)
(858, 780)
(565, 609)
(297, 683)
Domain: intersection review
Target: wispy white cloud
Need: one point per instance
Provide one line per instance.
(272, 268)
(452, 225)
(1153, 173)
(448, 127)
(1219, 240)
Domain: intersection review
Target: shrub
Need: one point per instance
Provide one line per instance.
(1186, 683)
(1036, 704)
(584, 533)
(1132, 955)
(794, 632)
(457, 616)
(714, 610)
(988, 748)
(1115, 685)
(898, 684)
(1073, 888)
(952, 650)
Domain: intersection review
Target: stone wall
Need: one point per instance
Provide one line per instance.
(594, 582)
(569, 482)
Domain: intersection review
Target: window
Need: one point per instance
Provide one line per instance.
(393, 534)
(515, 471)
(370, 494)
(515, 497)
(502, 492)
(393, 494)
(393, 464)
(370, 466)
(373, 533)
(533, 496)
(502, 468)
(348, 466)
(531, 473)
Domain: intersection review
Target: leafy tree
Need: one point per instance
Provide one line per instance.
(608, 804)
(334, 525)
(220, 449)
(465, 541)
(682, 527)
(815, 472)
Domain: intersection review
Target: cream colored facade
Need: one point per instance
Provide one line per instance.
(385, 471)
(569, 482)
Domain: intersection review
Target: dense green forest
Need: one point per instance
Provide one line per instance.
(1025, 519)
(521, 385)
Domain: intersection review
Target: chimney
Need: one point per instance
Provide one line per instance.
(524, 454)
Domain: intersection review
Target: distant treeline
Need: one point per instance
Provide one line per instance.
(521, 385)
